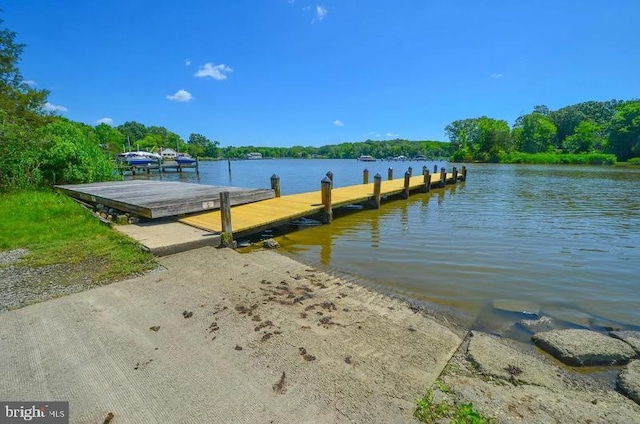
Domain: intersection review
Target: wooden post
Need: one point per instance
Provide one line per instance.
(197, 167)
(330, 176)
(410, 170)
(226, 239)
(377, 188)
(390, 174)
(365, 176)
(325, 189)
(435, 168)
(407, 178)
(443, 177)
(427, 180)
(464, 174)
(229, 165)
(455, 175)
(275, 184)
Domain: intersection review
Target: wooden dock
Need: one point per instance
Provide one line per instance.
(255, 217)
(158, 199)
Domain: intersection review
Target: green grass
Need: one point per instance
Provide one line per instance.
(559, 158)
(429, 411)
(57, 230)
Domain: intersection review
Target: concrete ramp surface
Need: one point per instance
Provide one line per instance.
(220, 337)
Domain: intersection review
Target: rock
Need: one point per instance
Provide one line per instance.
(494, 357)
(538, 325)
(568, 315)
(519, 306)
(584, 347)
(270, 244)
(632, 338)
(629, 381)
(122, 219)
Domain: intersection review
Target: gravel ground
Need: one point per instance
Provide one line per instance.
(24, 285)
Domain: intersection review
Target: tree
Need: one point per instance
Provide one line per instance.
(21, 115)
(109, 138)
(535, 133)
(624, 131)
(199, 145)
(72, 155)
(587, 137)
(133, 132)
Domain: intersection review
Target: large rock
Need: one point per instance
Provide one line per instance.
(584, 347)
(629, 381)
(632, 338)
(493, 356)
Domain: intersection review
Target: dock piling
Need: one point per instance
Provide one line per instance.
(407, 180)
(275, 185)
(435, 168)
(464, 174)
(225, 215)
(325, 190)
(455, 175)
(390, 174)
(443, 177)
(365, 176)
(427, 180)
(377, 189)
(410, 171)
(330, 176)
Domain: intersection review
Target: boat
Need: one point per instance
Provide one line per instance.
(185, 159)
(254, 156)
(139, 158)
(420, 158)
(366, 158)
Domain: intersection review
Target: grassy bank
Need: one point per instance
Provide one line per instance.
(559, 158)
(57, 230)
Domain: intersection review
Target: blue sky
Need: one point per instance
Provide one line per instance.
(298, 72)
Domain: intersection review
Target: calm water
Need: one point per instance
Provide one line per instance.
(565, 238)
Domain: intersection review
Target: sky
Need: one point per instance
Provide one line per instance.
(311, 73)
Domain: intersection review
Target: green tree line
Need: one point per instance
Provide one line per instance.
(611, 127)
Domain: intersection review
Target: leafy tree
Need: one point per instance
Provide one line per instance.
(72, 155)
(587, 138)
(535, 133)
(109, 138)
(199, 145)
(133, 132)
(624, 131)
(21, 115)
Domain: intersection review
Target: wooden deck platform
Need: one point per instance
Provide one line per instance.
(158, 199)
(255, 217)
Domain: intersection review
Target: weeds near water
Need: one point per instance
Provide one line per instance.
(429, 411)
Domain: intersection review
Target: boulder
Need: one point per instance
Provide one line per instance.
(632, 338)
(270, 244)
(629, 381)
(584, 347)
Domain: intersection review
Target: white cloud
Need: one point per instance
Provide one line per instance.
(107, 121)
(338, 123)
(187, 62)
(30, 83)
(321, 13)
(217, 72)
(496, 75)
(50, 107)
(390, 134)
(181, 96)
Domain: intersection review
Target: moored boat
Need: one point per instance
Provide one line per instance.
(366, 158)
(139, 158)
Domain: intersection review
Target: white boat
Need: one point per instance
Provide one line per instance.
(254, 156)
(139, 158)
(366, 158)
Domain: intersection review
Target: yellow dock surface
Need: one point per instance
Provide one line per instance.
(265, 213)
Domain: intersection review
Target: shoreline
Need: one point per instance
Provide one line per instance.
(223, 336)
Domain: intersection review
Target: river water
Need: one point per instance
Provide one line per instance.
(553, 241)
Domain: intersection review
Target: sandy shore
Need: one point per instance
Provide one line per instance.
(223, 337)
(217, 336)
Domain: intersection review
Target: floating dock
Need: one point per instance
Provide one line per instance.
(158, 199)
(258, 216)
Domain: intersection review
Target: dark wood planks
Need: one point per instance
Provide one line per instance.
(157, 199)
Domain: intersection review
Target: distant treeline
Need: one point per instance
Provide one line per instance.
(380, 149)
(610, 127)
